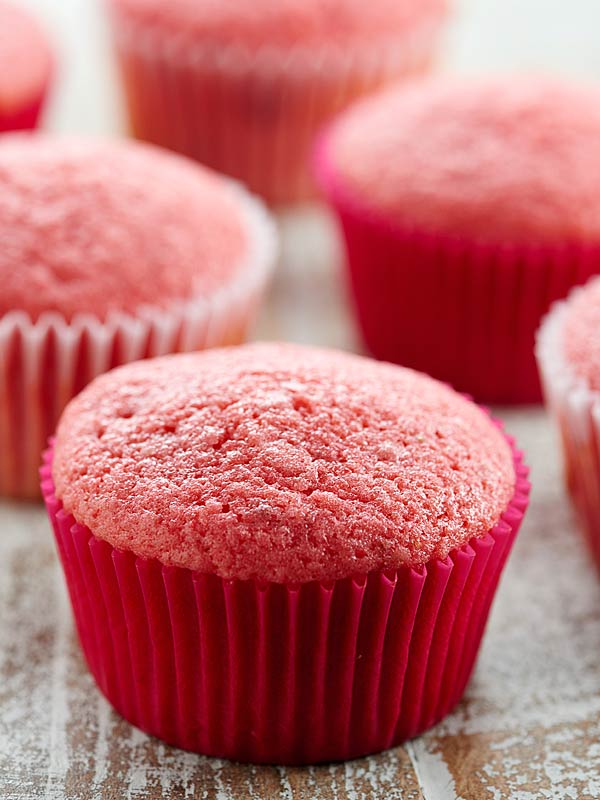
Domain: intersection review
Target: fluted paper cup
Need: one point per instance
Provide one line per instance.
(576, 409)
(44, 363)
(253, 114)
(464, 311)
(281, 673)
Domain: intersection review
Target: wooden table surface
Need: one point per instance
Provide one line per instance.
(529, 725)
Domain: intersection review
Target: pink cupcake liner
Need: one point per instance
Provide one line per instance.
(43, 364)
(24, 118)
(463, 311)
(253, 115)
(281, 673)
(576, 409)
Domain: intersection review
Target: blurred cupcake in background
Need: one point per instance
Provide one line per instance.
(467, 207)
(568, 353)
(111, 252)
(277, 553)
(25, 69)
(244, 86)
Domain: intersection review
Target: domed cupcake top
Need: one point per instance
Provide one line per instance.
(280, 23)
(25, 60)
(506, 159)
(97, 226)
(280, 462)
(581, 333)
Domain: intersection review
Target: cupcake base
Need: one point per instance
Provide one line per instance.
(281, 673)
(465, 312)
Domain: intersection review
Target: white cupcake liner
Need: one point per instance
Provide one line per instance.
(253, 114)
(43, 364)
(393, 50)
(576, 408)
(567, 394)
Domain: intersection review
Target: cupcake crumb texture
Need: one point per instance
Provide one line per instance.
(93, 227)
(280, 463)
(499, 159)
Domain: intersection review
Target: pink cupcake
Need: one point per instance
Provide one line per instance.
(467, 208)
(110, 252)
(25, 69)
(244, 87)
(568, 353)
(281, 554)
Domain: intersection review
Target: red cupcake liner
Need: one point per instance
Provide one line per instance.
(281, 673)
(463, 311)
(576, 409)
(253, 115)
(43, 364)
(24, 118)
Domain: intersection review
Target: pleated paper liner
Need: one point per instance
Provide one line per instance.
(254, 114)
(278, 673)
(576, 409)
(463, 311)
(44, 364)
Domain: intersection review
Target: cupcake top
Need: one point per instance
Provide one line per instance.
(581, 333)
(506, 159)
(25, 60)
(279, 462)
(98, 226)
(280, 23)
